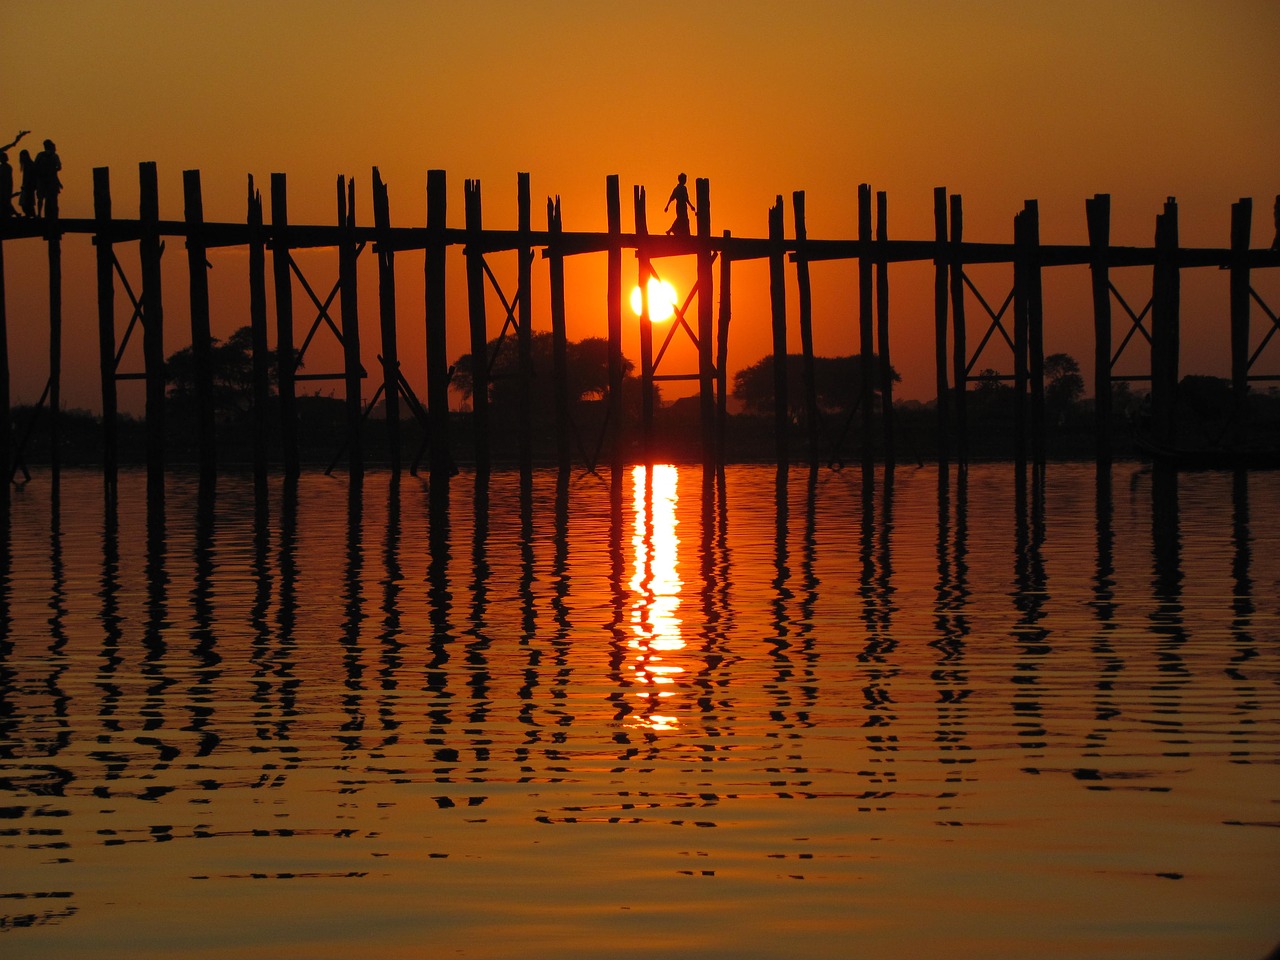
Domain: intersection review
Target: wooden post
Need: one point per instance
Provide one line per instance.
(258, 332)
(778, 312)
(559, 336)
(387, 316)
(201, 337)
(866, 328)
(806, 327)
(437, 345)
(1021, 286)
(723, 316)
(53, 235)
(613, 308)
(882, 328)
(1035, 332)
(942, 389)
(960, 356)
(706, 325)
(106, 325)
(646, 327)
(524, 333)
(149, 249)
(1098, 215)
(1241, 226)
(349, 304)
(478, 325)
(287, 365)
(1165, 325)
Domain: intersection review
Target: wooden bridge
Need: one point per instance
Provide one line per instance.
(1017, 320)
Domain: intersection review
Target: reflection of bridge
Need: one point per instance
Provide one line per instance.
(1021, 330)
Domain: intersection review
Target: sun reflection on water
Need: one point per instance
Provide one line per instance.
(655, 584)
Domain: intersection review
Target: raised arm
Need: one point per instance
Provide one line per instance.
(14, 141)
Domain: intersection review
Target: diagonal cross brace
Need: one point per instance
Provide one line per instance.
(996, 321)
(1135, 324)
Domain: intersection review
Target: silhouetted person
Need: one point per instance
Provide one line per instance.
(47, 166)
(680, 197)
(27, 184)
(6, 188)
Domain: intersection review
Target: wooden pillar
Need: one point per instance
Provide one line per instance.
(387, 317)
(478, 326)
(866, 323)
(722, 320)
(806, 328)
(349, 304)
(960, 356)
(53, 235)
(1021, 286)
(149, 249)
(778, 312)
(646, 328)
(1035, 332)
(723, 316)
(1241, 226)
(437, 345)
(106, 324)
(524, 333)
(885, 373)
(261, 357)
(559, 336)
(286, 361)
(613, 309)
(201, 337)
(942, 389)
(1098, 215)
(706, 324)
(1165, 325)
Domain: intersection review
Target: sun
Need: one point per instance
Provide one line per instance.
(662, 300)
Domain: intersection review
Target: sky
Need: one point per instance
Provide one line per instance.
(997, 101)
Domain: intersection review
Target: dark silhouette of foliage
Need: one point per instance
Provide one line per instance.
(231, 363)
(837, 381)
(587, 365)
(1063, 387)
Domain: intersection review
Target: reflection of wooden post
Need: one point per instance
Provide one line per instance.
(524, 333)
(865, 322)
(201, 336)
(478, 326)
(646, 327)
(149, 249)
(1241, 224)
(1098, 214)
(387, 317)
(437, 346)
(613, 309)
(1165, 325)
(960, 361)
(940, 322)
(349, 304)
(258, 332)
(706, 324)
(778, 312)
(806, 327)
(723, 316)
(882, 327)
(559, 335)
(286, 362)
(106, 324)
(1035, 330)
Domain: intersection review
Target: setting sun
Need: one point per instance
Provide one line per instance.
(662, 300)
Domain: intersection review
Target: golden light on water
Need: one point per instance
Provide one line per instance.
(655, 585)
(662, 301)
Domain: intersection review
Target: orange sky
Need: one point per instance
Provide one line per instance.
(999, 101)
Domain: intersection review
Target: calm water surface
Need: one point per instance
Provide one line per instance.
(645, 717)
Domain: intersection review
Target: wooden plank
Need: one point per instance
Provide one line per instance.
(106, 327)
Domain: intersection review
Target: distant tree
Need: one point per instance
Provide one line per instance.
(837, 382)
(587, 367)
(1063, 386)
(231, 363)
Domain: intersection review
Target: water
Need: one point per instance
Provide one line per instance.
(968, 718)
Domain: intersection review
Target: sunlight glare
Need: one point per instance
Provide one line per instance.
(662, 300)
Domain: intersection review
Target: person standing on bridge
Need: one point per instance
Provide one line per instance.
(47, 166)
(6, 188)
(26, 184)
(680, 197)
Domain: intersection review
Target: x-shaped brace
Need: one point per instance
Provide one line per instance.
(996, 321)
(1136, 322)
